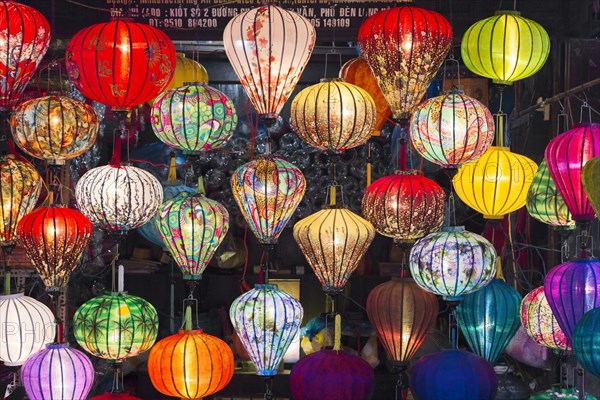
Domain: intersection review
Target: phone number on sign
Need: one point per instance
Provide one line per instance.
(330, 22)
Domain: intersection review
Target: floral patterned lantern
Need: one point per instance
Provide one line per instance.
(186, 71)
(539, 321)
(589, 179)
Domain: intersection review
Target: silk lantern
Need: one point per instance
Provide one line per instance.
(545, 204)
(539, 321)
(586, 341)
(560, 391)
(589, 176)
(404, 46)
(187, 70)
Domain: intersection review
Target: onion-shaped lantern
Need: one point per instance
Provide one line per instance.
(545, 204)
(115, 326)
(54, 128)
(505, 47)
(404, 46)
(194, 118)
(120, 63)
(268, 190)
(25, 36)
(56, 373)
(27, 326)
(268, 48)
(489, 318)
(402, 314)
(333, 115)
(186, 71)
(118, 198)
(497, 183)
(266, 320)
(586, 341)
(453, 262)
(452, 129)
(566, 156)
(539, 321)
(405, 206)
(589, 178)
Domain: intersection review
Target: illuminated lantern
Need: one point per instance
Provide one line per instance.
(194, 118)
(56, 373)
(505, 47)
(54, 239)
(404, 46)
(115, 326)
(589, 178)
(120, 63)
(497, 183)
(586, 341)
(54, 128)
(28, 326)
(268, 190)
(452, 129)
(24, 39)
(333, 115)
(268, 48)
(453, 262)
(539, 321)
(186, 71)
(402, 314)
(405, 206)
(266, 320)
(565, 156)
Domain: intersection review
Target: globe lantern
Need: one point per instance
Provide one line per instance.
(120, 63)
(539, 321)
(505, 48)
(586, 341)
(268, 48)
(404, 46)
(28, 326)
(54, 128)
(589, 177)
(452, 129)
(452, 262)
(497, 183)
(266, 320)
(186, 70)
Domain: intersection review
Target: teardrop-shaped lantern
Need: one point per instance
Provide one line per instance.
(266, 320)
(186, 70)
(539, 321)
(586, 341)
(404, 46)
(589, 179)
(268, 48)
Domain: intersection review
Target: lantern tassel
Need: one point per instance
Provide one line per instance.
(337, 341)
(369, 165)
(7, 283)
(188, 318)
(200, 189)
(115, 160)
(332, 195)
(172, 177)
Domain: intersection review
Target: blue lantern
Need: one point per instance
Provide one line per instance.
(586, 341)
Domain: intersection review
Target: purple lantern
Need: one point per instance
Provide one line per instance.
(332, 375)
(572, 289)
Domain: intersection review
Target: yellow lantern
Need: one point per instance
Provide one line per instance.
(186, 71)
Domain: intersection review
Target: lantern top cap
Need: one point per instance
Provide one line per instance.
(586, 125)
(57, 345)
(121, 19)
(508, 12)
(453, 229)
(582, 260)
(408, 172)
(499, 148)
(328, 80)
(194, 83)
(265, 286)
(191, 332)
(11, 296)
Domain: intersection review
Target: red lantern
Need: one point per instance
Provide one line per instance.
(120, 63)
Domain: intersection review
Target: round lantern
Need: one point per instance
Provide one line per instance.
(186, 71)
(115, 396)
(489, 318)
(405, 206)
(118, 198)
(333, 115)
(268, 48)
(120, 63)
(497, 183)
(25, 34)
(54, 239)
(332, 375)
(266, 320)
(28, 326)
(115, 326)
(505, 47)
(402, 314)
(404, 46)
(545, 204)
(572, 289)
(54, 128)
(586, 341)
(589, 178)
(20, 186)
(453, 375)
(453, 262)
(56, 373)
(452, 129)
(565, 156)
(268, 190)
(539, 321)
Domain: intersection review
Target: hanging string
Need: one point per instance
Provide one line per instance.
(585, 105)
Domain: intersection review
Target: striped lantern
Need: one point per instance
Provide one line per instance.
(540, 323)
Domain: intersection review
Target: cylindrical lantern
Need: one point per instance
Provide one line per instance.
(497, 183)
(402, 314)
(586, 341)
(57, 373)
(505, 47)
(120, 63)
(268, 48)
(452, 129)
(404, 46)
(453, 262)
(186, 71)
(539, 321)
(404, 206)
(589, 178)
(54, 128)
(266, 320)
(27, 326)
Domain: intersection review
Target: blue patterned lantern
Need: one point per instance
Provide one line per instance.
(489, 318)
(586, 341)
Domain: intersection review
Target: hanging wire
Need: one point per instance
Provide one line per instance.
(332, 52)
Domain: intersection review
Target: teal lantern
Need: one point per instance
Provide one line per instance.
(586, 341)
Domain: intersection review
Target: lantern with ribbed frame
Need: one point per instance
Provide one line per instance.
(539, 321)
(586, 341)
